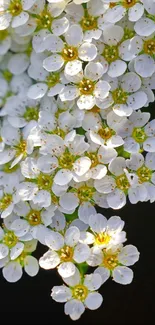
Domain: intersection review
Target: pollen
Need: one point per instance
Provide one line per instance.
(86, 87)
(70, 53)
(111, 53)
(66, 254)
(80, 292)
(15, 7)
(102, 238)
(10, 239)
(139, 135)
(34, 218)
(122, 182)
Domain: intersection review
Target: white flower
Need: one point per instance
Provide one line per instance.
(64, 252)
(106, 233)
(14, 12)
(20, 257)
(79, 294)
(141, 135)
(114, 262)
(70, 52)
(87, 86)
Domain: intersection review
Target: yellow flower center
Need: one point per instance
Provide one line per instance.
(119, 96)
(122, 182)
(32, 113)
(3, 34)
(144, 174)
(88, 22)
(139, 135)
(110, 261)
(10, 239)
(44, 182)
(105, 133)
(44, 20)
(86, 87)
(102, 238)
(80, 292)
(5, 201)
(149, 47)
(66, 160)
(15, 7)
(85, 193)
(129, 3)
(66, 254)
(52, 79)
(21, 148)
(70, 53)
(111, 53)
(94, 159)
(34, 218)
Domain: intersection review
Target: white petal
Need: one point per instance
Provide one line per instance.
(66, 269)
(92, 281)
(61, 293)
(31, 265)
(54, 240)
(93, 300)
(12, 272)
(122, 275)
(49, 260)
(81, 253)
(72, 236)
(74, 308)
(129, 255)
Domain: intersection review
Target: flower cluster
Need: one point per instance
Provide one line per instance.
(76, 79)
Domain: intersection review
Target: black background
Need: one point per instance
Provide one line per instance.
(28, 301)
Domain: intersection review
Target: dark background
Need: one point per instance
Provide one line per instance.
(28, 301)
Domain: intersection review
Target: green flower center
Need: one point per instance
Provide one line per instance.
(52, 79)
(70, 53)
(34, 218)
(105, 133)
(149, 47)
(5, 201)
(32, 113)
(144, 174)
(7, 168)
(88, 22)
(7, 76)
(139, 135)
(66, 254)
(110, 261)
(86, 87)
(111, 53)
(21, 148)
(44, 20)
(66, 160)
(128, 33)
(85, 193)
(15, 7)
(80, 292)
(10, 239)
(44, 182)
(3, 34)
(119, 96)
(102, 238)
(122, 182)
